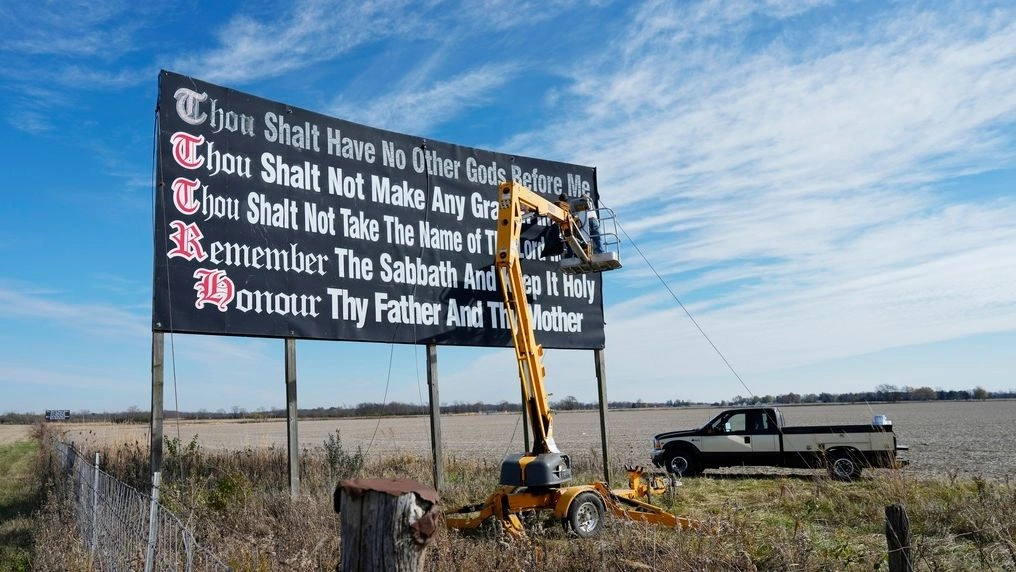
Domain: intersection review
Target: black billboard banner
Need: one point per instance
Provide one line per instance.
(58, 414)
(273, 221)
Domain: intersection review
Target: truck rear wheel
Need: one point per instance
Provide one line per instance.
(683, 464)
(844, 466)
(585, 514)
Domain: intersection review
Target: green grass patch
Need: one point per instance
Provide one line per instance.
(20, 497)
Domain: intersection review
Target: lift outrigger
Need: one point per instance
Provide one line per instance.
(535, 480)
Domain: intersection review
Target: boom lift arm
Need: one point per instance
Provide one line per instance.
(531, 481)
(515, 202)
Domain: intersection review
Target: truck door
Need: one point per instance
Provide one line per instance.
(765, 437)
(727, 441)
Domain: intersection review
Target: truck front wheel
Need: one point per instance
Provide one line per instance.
(843, 466)
(683, 463)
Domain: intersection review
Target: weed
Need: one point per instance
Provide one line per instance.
(341, 463)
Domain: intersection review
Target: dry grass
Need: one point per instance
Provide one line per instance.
(239, 505)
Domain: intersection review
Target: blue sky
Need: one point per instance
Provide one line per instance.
(829, 187)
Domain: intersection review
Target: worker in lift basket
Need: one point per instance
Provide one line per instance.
(563, 204)
(591, 221)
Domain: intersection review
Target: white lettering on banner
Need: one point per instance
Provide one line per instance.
(346, 307)
(416, 272)
(480, 278)
(428, 160)
(278, 303)
(227, 163)
(264, 212)
(579, 286)
(219, 207)
(383, 191)
(230, 121)
(405, 310)
(552, 279)
(448, 203)
(359, 226)
(392, 156)
(578, 187)
(533, 285)
(278, 130)
(482, 208)
(283, 260)
(349, 148)
(349, 187)
(398, 233)
(465, 316)
(352, 266)
(438, 238)
(188, 106)
(556, 319)
(305, 177)
(484, 174)
(321, 222)
(537, 181)
(188, 109)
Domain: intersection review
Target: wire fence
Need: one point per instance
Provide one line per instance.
(124, 529)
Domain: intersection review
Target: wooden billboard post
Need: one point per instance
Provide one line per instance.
(601, 385)
(435, 417)
(292, 438)
(158, 375)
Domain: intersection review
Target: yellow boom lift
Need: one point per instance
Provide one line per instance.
(535, 480)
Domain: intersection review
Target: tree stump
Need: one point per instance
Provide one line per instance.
(386, 523)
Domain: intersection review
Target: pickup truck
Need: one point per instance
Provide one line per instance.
(757, 436)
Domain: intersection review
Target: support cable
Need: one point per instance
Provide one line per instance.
(684, 308)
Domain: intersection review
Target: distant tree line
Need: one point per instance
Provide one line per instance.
(882, 393)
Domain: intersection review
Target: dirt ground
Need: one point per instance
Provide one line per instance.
(945, 438)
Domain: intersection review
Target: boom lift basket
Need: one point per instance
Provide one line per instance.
(601, 243)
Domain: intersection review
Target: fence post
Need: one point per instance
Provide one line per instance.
(95, 499)
(153, 531)
(386, 523)
(897, 535)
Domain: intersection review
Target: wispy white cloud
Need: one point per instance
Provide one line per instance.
(798, 186)
(103, 319)
(68, 29)
(308, 32)
(417, 108)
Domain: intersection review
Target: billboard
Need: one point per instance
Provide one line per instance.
(274, 221)
(58, 414)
